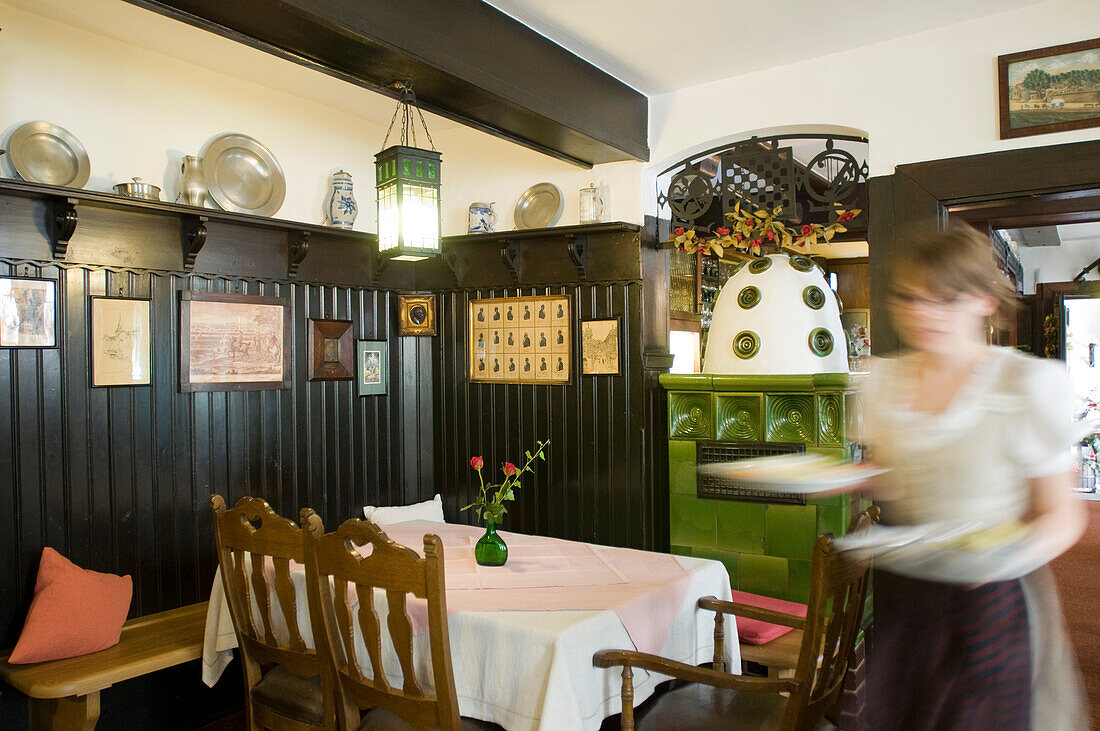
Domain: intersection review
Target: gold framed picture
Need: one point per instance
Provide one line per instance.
(521, 340)
(600, 347)
(415, 314)
(121, 342)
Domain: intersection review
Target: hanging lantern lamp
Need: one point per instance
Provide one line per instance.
(408, 188)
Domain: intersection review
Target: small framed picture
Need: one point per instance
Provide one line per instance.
(330, 351)
(28, 312)
(121, 342)
(372, 367)
(1051, 89)
(600, 347)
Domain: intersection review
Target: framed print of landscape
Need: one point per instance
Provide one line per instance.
(233, 342)
(121, 341)
(1050, 89)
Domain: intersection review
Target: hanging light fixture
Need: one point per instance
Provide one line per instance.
(408, 188)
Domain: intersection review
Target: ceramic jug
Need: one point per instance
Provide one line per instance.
(340, 207)
(482, 218)
(192, 181)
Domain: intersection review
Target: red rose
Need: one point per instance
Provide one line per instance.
(678, 231)
(722, 231)
(770, 235)
(756, 242)
(509, 469)
(739, 238)
(846, 216)
(700, 240)
(477, 463)
(807, 230)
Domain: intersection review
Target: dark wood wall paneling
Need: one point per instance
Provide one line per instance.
(590, 486)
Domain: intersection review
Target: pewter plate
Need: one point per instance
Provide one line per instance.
(539, 206)
(45, 153)
(242, 175)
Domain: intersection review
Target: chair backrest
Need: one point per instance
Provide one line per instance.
(334, 568)
(255, 550)
(838, 589)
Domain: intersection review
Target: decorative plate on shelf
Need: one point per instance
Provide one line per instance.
(539, 206)
(42, 152)
(242, 175)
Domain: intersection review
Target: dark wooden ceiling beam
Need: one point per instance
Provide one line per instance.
(466, 60)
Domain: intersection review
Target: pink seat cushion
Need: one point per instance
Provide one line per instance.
(755, 632)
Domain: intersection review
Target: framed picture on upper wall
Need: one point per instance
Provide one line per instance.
(600, 347)
(28, 312)
(372, 367)
(233, 342)
(1051, 89)
(121, 341)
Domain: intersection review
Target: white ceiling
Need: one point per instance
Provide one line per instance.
(657, 46)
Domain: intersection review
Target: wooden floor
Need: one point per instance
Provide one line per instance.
(1079, 588)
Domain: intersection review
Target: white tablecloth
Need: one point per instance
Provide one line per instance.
(530, 670)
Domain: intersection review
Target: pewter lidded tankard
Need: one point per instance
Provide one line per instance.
(192, 182)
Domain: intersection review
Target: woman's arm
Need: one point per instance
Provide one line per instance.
(1057, 519)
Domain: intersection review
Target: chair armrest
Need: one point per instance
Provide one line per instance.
(691, 673)
(751, 612)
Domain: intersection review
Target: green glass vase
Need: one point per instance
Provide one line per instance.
(491, 550)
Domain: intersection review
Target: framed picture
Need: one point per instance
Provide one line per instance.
(1050, 89)
(121, 341)
(28, 312)
(233, 342)
(373, 367)
(521, 340)
(857, 330)
(600, 347)
(415, 314)
(331, 354)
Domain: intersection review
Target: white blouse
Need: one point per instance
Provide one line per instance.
(1010, 421)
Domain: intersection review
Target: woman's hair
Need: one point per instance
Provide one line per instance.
(956, 261)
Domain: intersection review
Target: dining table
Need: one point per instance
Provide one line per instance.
(523, 634)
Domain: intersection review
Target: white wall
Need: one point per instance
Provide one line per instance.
(139, 91)
(1058, 263)
(927, 96)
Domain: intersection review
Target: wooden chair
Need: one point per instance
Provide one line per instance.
(333, 568)
(282, 677)
(717, 699)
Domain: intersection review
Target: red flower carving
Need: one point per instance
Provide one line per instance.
(770, 235)
(807, 230)
(477, 463)
(846, 216)
(739, 238)
(756, 243)
(509, 468)
(679, 231)
(722, 231)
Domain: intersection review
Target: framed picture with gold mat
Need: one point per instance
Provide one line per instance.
(521, 340)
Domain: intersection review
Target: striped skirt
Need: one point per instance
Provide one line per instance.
(943, 656)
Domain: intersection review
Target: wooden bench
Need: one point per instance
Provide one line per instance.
(64, 694)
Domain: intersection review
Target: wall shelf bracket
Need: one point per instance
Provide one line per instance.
(510, 255)
(297, 248)
(192, 238)
(61, 219)
(577, 246)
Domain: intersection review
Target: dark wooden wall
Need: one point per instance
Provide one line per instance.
(590, 487)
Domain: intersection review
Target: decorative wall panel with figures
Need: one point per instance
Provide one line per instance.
(521, 340)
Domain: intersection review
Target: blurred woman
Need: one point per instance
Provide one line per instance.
(971, 434)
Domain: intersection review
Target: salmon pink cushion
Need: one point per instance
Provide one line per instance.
(755, 632)
(74, 611)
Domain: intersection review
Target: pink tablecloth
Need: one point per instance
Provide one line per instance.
(644, 589)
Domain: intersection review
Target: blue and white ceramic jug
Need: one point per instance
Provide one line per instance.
(340, 206)
(482, 218)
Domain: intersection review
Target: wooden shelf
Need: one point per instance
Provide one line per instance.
(541, 233)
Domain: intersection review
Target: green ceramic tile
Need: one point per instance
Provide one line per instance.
(830, 419)
(692, 522)
(681, 467)
(731, 560)
(791, 530)
(691, 415)
(790, 418)
(740, 418)
(832, 520)
(765, 575)
(740, 526)
(835, 501)
(799, 580)
(679, 550)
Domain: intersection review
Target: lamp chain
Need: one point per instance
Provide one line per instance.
(407, 122)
